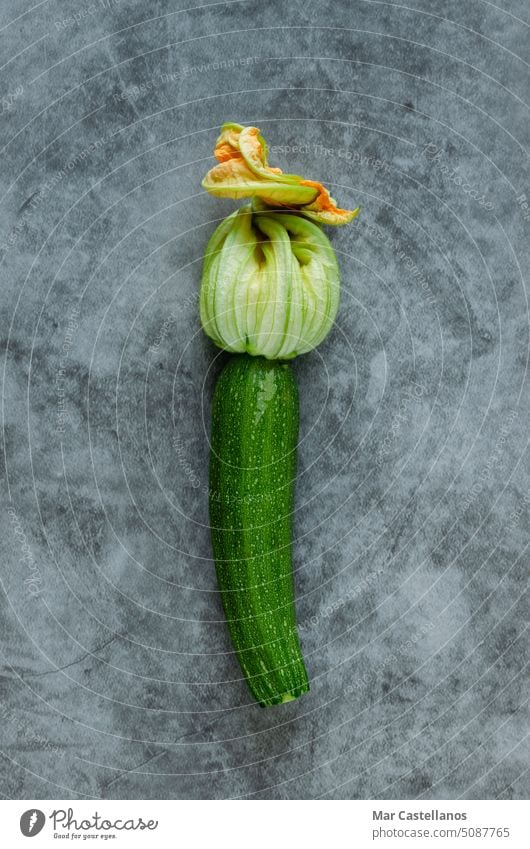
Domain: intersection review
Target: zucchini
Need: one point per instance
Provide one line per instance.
(252, 477)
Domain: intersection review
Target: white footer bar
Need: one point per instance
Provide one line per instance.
(266, 824)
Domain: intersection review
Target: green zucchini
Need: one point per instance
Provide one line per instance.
(251, 494)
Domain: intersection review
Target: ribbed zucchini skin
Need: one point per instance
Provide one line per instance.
(252, 476)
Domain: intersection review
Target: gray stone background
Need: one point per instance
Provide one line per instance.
(412, 516)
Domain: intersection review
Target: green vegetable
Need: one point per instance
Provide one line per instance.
(270, 284)
(269, 292)
(252, 478)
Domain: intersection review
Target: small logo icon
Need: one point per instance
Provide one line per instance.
(31, 822)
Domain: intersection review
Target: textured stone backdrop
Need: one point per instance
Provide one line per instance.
(412, 516)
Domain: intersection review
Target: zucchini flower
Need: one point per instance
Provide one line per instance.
(243, 172)
(270, 283)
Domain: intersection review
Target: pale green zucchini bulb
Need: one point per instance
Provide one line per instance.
(270, 284)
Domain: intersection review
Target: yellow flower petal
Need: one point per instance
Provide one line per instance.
(243, 171)
(324, 208)
(234, 179)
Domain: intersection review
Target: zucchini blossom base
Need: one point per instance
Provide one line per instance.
(270, 284)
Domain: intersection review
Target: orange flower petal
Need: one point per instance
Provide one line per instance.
(244, 172)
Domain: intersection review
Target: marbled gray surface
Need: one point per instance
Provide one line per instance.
(412, 516)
